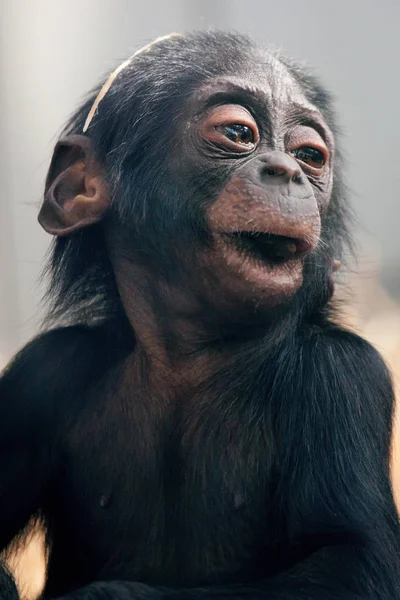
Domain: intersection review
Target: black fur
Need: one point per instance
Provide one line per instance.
(272, 479)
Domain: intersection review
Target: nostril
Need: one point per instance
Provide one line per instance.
(296, 177)
(290, 173)
(275, 171)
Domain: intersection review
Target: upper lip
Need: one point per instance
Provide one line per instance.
(299, 232)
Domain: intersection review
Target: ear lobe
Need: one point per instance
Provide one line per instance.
(76, 194)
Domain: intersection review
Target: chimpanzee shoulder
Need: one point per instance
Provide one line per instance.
(55, 367)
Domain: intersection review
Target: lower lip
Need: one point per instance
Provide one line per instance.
(264, 273)
(302, 249)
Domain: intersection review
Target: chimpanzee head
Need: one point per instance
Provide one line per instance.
(208, 174)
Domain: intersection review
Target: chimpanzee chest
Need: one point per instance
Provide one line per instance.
(162, 500)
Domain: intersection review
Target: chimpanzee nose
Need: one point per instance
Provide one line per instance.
(278, 164)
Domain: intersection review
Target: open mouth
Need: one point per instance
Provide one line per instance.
(270, 248)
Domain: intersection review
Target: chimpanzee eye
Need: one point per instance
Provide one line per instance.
(310, 156)
(238, 133)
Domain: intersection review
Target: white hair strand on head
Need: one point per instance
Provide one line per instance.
(116, 72)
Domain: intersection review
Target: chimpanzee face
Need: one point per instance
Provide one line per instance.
(267, 154)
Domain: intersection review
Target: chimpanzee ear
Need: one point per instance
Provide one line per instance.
(76, 194)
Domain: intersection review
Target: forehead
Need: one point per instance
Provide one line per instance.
(264, 77)
(267, 74)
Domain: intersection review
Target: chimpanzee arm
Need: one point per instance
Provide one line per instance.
(32, 390)
(334, 403)
(25, 423)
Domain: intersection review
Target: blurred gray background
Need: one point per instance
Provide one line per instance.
(53, 51)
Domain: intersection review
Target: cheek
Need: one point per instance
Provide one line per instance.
(197, 173)
(323, 193)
